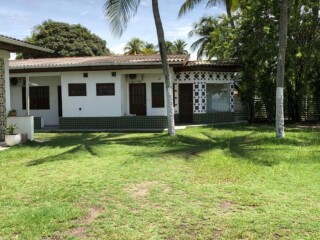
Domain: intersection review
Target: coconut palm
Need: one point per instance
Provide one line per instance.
(149, 48)
(169, 47)
(231, 5)
(134, 46)
(202, 29)
(118, 14)
(179, 47)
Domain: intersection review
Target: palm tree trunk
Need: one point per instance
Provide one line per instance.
(281, 68)
(165, 66)
(228, 9)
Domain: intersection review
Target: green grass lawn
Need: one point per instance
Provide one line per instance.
(206, 183)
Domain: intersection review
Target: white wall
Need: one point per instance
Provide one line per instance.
(91, 105)
(25, 126)
(154, 78)
(149, 76)
(106, 106)
(50, 116)
(124, 96)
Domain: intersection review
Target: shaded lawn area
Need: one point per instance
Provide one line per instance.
(206, 183)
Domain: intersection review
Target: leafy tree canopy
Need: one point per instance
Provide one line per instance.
(67, 40)
(255, 41)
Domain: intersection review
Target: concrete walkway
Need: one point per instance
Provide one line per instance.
(3, 146)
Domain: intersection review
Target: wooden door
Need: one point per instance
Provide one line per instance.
(137, 99)
(185, 103)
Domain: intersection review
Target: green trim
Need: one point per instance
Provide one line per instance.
(208, 118)
(37, 122)
(125, 122)
(136, 122)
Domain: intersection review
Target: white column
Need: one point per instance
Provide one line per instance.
(28, 94)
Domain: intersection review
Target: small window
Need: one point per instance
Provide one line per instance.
(77, 89)
(39, 97)
(105, 89)
(157, 95)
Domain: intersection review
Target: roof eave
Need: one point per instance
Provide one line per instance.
(13, 45)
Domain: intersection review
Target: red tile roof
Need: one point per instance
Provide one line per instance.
(95, 61)
(214, 63)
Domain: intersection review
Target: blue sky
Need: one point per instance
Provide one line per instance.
(17, 18)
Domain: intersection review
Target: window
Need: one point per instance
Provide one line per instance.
(39, 97)
(157, 95)
(218, 97)
(105, 89)
(77, 89)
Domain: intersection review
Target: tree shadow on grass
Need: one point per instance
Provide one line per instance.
(85, 143)
(253, 146)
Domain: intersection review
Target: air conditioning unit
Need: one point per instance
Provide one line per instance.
(18, 81)
(134, 77)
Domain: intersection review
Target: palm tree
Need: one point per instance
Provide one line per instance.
(149, 48)
(134, 46)
(169, 47)
(231, 5)
(202, 29)
(118, 13)
(179, 47)
(280, 68)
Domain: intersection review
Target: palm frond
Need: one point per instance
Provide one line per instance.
(119, 12)
(187, 6)
(198, 43)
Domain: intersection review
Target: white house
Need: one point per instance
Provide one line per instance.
(8, 45)
(121, 92)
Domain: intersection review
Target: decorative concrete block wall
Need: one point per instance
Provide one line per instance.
(3, 112)
(200, 81)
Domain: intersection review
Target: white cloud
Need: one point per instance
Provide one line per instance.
(118, 49)
(178, 32)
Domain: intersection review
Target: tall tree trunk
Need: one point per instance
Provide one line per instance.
(228, 9)
(165, 67)
(281, 68)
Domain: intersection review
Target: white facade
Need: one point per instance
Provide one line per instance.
(118, 104)
(90, 105)
(50, 116)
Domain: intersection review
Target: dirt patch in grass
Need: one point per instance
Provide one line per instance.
(92, 215)
(217, 234)
(226, 206)
(80, 231)
(140, 190)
